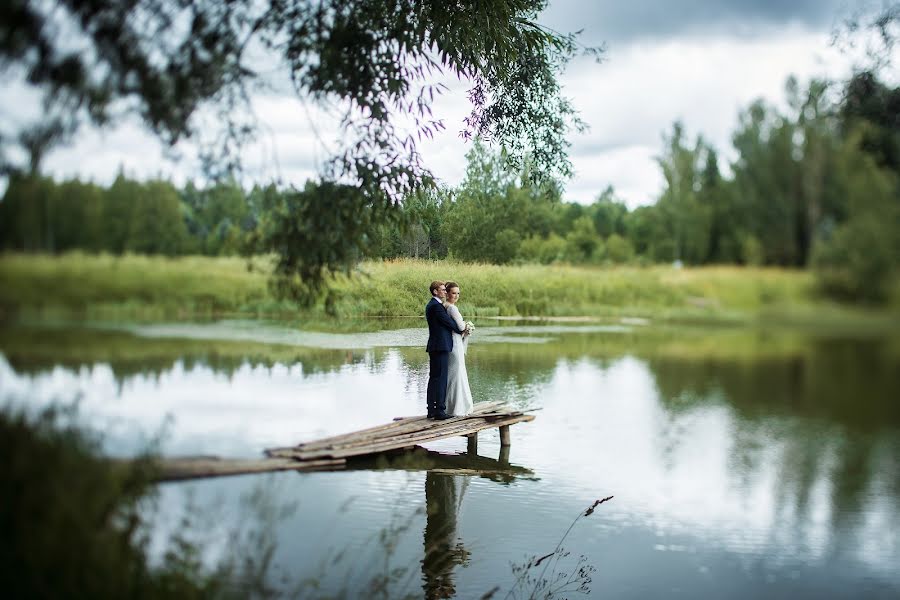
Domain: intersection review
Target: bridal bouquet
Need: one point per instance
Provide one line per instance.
(470, 327)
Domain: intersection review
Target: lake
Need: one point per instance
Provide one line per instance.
(743, 462)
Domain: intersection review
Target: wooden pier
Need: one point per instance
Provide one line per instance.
(333, 453)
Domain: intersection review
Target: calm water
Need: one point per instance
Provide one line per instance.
(744, 463)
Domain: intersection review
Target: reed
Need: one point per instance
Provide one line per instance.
(155, 287)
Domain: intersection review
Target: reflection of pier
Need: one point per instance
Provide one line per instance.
(438, 463)
(333, 453)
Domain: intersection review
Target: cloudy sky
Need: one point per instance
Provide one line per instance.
(698, 61)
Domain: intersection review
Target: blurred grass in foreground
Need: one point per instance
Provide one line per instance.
(153, 288)
(76, 526)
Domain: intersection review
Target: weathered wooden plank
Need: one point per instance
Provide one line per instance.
(452, 427)
(331, 453)
(444, 428)
(396, 428)
(362, 433)
(174, 469)
(437, 430)
(462, 429)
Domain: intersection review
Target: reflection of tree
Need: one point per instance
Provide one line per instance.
(35, 350)
(830, 409)
(851, 383)
(443, 551)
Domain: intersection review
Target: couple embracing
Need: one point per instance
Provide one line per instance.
(448, 335)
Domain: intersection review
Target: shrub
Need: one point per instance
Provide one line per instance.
(858, 262)
(752, 252)
(619, 249)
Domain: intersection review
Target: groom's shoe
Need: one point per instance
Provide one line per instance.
(442, 417)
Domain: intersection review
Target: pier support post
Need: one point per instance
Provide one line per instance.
(472, 444)
(504, 435)
(503, 459)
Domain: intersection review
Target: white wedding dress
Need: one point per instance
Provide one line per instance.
(459, 396)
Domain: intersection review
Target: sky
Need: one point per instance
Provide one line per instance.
(697, 61)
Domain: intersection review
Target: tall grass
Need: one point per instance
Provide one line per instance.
(388, 288)
(132, 286)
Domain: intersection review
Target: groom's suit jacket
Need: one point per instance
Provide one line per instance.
(440, 327)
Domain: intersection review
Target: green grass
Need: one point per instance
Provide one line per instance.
(154, 288)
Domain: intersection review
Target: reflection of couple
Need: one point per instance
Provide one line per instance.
(448, 382)
(443, 550)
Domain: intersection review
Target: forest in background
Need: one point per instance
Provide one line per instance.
(816, 186)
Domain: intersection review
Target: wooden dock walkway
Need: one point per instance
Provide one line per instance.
(332, 453)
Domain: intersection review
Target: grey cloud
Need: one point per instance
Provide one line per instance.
(631, 20)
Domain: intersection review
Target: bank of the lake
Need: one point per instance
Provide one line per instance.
(155, 287)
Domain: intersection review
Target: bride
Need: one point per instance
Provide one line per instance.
(459, 396)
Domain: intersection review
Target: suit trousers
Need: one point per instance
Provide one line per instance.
(436, 396)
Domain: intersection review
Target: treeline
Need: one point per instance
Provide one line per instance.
(816, 185)
(38, 214)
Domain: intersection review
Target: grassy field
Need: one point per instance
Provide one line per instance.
(151, 288)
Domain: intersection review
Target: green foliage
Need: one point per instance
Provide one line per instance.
(25, 214)
(609, 214)
(379, 60)
(490, 215)
(858, 262)
(300, 228)
(582, 243)
(619, 249)
(151, 287)
(873, 105)
(806, 181)
(686, 220)
(506, 245)
(544, 250)
(73, 525)
(752, 251)
(129, 287)
(156, 226)
(860, 259)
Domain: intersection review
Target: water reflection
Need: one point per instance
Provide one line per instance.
(736, 456)
(443, 550)
(447, 477)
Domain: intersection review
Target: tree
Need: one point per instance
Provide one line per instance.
(78, 216)
(156, 222)
(224, 216)
(25, 213)
(646, 230)
(378, 60)
(582, 243)
(619, 249)
(609, 213)
(765, 182)
(688, 220)
(121, 199)
(715, 196)
(859, 259)
(872, 110)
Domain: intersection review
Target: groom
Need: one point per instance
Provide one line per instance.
(440, 343)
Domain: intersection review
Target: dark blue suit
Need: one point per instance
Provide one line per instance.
(440, 342)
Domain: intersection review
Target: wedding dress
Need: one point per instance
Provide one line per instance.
(459, 395)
